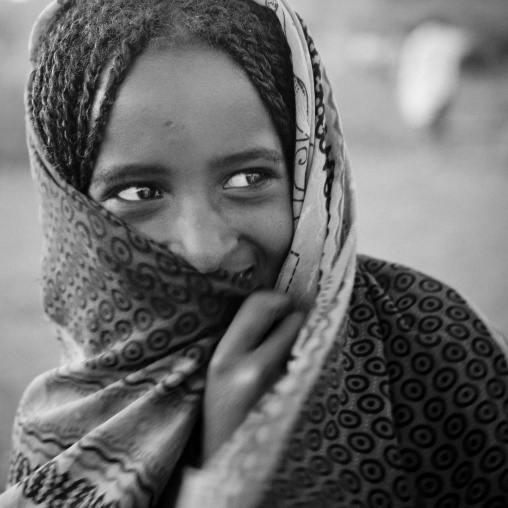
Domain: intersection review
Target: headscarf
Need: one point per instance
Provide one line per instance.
(138, 325)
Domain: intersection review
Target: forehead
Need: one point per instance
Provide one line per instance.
(193, 100)
(190, 74)
(186, 81)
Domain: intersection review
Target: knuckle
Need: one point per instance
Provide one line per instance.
(218, 365)
(248, 377)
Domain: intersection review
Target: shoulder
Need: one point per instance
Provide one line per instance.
(394, 280)
(416, 314)
(421, 352)
(416, 301)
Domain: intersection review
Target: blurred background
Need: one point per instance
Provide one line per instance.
(422, 90)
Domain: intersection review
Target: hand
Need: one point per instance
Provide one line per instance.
(248, 360)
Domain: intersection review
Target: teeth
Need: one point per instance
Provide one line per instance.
(247, 274)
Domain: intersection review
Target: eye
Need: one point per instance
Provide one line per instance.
(139, 193)
(244, 179)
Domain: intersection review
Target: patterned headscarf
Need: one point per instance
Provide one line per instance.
(138, 325)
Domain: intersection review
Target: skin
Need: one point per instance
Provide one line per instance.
(191, 158)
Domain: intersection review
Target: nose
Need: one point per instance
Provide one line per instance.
(203, 237)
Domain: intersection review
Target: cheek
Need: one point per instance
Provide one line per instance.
(273, 230)
(282, 235)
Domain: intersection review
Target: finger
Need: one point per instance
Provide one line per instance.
(272, 355)
(251, 324)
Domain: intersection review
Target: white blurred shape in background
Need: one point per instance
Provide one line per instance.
(429, 72)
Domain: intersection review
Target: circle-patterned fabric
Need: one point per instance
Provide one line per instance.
(138, 326)
(419, 415)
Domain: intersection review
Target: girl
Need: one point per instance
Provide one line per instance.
(223, 344)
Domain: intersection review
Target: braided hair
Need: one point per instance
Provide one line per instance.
(89, 36)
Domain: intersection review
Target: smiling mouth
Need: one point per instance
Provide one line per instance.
(247, 274)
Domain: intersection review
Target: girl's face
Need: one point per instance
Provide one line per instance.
(191, 159)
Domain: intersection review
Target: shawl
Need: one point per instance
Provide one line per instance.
(395, 393)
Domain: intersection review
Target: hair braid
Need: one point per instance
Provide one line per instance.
(121, 64)
(90, 36)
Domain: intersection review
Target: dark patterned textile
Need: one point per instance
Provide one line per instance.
(395, 393)
(411, 412)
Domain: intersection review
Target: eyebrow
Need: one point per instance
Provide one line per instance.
(116, 172)
(247, 156)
